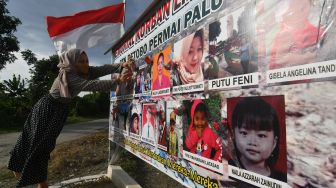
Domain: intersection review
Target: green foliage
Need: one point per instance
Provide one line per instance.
(213, 104)
(16, 99)
(96, 104)
(43, 73)
(13, 112)
(77, 119)
(14, 106)
(15, 87)
(8, 42)
(29, 57)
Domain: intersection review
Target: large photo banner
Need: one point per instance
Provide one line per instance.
(231, 93)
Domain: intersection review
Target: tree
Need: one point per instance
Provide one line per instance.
(8, 42)
(43, 72)
(15, 86)
(14, 106)
(29, 57)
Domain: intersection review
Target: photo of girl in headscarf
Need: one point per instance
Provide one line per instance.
(189, 60)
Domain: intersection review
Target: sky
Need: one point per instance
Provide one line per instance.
(32, 33)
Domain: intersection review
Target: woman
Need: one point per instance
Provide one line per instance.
(189, 65)
(29, 157)
(162, 81)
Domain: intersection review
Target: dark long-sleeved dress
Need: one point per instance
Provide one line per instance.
(32, 151)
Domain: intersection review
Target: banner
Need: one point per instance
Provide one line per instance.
(231, 93)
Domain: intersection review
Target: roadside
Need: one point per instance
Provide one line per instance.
(69, 132)
(70, 121)
(88, 156)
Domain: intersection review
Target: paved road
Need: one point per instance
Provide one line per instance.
(69, 132)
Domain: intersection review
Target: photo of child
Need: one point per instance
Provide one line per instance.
(113, 120)
(139, 78)
(258, 130)
(300, 34)
(123, 112)
(148, 123)
(135, 124)
(200, 139)
(162, 128)
(161, 76)
(173, 145)
(175, 128)
(232, 44)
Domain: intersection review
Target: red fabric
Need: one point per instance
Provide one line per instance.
(165, 83)
(152, 110)
(302, 38)
(209, 141)
(110, 14)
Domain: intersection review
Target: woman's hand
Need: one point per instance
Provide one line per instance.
(129, 64)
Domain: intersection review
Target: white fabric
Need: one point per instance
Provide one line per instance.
(148, 131)
(88, 36)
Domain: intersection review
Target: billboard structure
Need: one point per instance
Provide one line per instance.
(231, 93)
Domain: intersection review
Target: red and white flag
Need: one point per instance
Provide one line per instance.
(87, 29)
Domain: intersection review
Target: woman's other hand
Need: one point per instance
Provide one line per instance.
(125, 75)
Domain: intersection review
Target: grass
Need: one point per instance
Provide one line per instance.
(78, 119)
(6, 175)
(4, 130)
(84, 156)
(70, 120)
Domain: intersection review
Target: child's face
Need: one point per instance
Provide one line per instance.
(255, 146)
(148, 115)
(200, 122)
(172, 127)
(135, 124)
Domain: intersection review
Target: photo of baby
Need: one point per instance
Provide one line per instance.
(303, 28)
